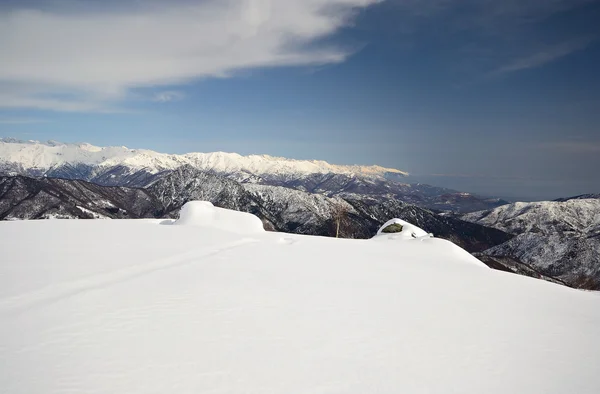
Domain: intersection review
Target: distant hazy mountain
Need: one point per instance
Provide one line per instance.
(581, 197)
(559, 238)
(120, 166)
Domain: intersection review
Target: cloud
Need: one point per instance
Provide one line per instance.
(501, 36)
(473, 176)
(21, 121)
(573, 147)
(82, 59)
(545, 55)
(170, 95)
(488, 15)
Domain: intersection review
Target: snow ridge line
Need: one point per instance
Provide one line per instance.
(15, 305)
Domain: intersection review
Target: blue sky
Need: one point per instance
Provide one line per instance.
(495, 97)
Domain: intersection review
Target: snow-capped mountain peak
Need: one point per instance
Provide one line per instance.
(48, 155)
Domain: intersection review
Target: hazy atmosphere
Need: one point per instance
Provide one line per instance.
(495, 97)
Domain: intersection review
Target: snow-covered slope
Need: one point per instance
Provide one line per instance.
(44, 157)
(572, 216)
(138, 307)
(560, 238)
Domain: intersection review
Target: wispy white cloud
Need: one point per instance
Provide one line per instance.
(574, 147)
(504, 36)
(544, 55)
(20, 121)
(86, 60)
(490, 15)
(169, 95)
(469, 176)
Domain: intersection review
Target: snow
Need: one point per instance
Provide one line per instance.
(205, 214)
(560, 238)
(408, 230)
(91, 213)
(413, 233)
(37, 155)
(132, 306)
(580, 216)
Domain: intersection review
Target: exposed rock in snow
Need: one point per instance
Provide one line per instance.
(205, 214)
(409, 231)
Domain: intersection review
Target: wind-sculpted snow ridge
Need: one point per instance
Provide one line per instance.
(409, 232)
(559, 238)
(132, 306)
(44, 157)
(205, 214)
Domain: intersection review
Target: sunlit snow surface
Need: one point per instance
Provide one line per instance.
(142, 307)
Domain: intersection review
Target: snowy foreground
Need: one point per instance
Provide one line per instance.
(142, 306)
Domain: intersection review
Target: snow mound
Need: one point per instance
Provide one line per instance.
(409, 231)
(205, 214)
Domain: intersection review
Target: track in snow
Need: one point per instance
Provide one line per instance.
(50, 294)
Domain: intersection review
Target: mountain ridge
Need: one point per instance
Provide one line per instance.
(121, 166)
(52, 154)
(280, 208)
(558, 238)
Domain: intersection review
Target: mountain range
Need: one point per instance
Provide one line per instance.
(280, 208)
(558, 241)
(121, 166)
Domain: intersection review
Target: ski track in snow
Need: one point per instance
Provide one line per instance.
(50, 294)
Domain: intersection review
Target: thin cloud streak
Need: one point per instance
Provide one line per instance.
(574, 147)
(545, 55)
(504, 34)
(22, 121)
(475, 176)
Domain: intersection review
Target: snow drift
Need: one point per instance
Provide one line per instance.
(205, 214)
(133, 307)
(410, 232)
